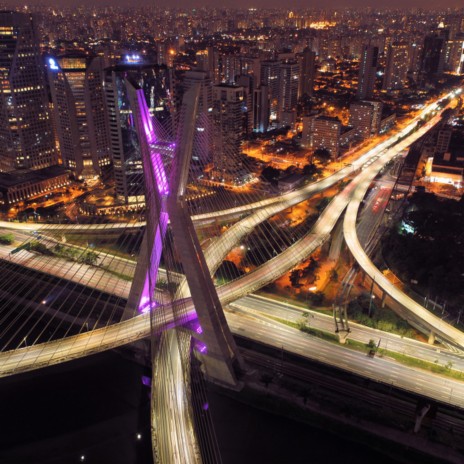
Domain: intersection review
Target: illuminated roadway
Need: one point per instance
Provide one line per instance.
(29, 358)
(415, 311)
(139, 327)
(259, 305)
(383, 370)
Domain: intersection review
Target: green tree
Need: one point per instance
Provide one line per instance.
(89, 257)
(6, 239)
(38, 247)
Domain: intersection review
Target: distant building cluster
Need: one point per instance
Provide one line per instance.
(335, 78)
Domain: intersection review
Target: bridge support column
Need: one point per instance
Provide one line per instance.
(167, 199)
(342, 336)
(431, 339)
(382, 301)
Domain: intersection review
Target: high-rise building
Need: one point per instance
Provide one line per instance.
(261, 109)
(443, 140)
(454, 54)
(97, 115)
(270, 78)
(307, 130)
(415, 56)
(365, 117)
(289, 76)
(26, 131)
(202, 140)
(326, 133)
(80, 113)
(396, 70)
(228, 101)
(247, 83)
(154, 80)
(367, 72)
(307, 72)
(433, 56)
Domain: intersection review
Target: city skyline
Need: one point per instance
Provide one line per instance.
(267, 200)
(262, 4)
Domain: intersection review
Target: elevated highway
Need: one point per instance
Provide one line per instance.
(134, 329)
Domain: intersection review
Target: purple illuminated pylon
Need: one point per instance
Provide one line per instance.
(160, 179)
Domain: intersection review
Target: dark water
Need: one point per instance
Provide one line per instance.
(96, 407)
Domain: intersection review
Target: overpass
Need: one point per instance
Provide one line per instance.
(54, 352)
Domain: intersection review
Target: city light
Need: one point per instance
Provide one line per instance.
(53, 65)
(133, 59)
(208, 191)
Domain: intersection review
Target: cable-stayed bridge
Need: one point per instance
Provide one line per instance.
(81, 332)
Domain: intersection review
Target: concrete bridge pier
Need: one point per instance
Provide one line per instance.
(431, 340)
(343, 336)
(382, 300)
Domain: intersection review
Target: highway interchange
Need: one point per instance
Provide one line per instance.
(272, 333)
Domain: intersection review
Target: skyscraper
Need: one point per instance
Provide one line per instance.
(433, 56)
(80, 113)
(367, 72)
(270, 79)
(289, 75)
(396, 70)
(202, 140)
(26, 132)
(365, 117)
(228, 101)
(261, 109)
(326, 133)
(307, 72)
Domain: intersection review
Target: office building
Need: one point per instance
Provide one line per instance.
(228, 114)
(307, 72)
(289, 76)
(261, 109)
(367, 72)
(433, 56)
(396, 69)
(365, 117)
(270, 79)
(76, 86)
(26, 131)
(326, 133)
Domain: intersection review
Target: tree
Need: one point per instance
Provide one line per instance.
(6, 239)
(295, 276)
(38, 247)
(312, 267)
(270, 174)
(333, 275)
(89, 257)
(323, 155)
(316, 298)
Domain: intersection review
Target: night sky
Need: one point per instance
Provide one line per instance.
(432, 4)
